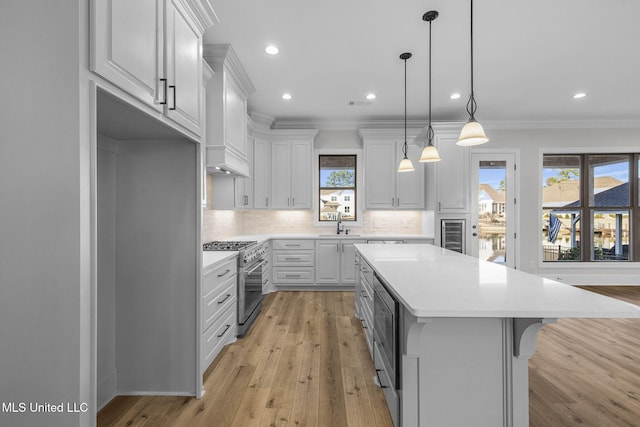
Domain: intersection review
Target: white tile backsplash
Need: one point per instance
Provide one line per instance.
(224, 224)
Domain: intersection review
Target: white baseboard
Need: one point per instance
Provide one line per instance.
(107, 388)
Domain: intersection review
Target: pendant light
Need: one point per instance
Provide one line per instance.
(430, 152)
(472, 133)
(405, 164)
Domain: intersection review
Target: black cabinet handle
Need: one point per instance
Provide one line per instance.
(225, 331)
(164, 83)
(379, 380)
(174, 97)
(224, 299)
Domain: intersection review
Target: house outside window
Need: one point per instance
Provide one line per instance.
(337, 192)
(588, 207)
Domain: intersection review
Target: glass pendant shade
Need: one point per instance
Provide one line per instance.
(406, 166)
(430, 154)
(472, 134)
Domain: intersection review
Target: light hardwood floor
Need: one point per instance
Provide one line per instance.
(305, 363)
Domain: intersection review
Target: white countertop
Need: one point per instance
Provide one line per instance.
(434, 282)
(210, 258)
(264, 237)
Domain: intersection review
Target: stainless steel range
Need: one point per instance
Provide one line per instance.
(251, 260)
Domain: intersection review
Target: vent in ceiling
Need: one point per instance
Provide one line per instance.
(358, 103)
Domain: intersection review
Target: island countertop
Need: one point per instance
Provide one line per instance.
(434, 282)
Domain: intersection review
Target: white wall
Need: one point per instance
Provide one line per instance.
(106, 271)
(529, 143)
(44, 298)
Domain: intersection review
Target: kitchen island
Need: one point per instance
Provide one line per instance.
(466, 330)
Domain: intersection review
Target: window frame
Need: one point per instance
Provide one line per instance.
(357, 203)
(586, 209)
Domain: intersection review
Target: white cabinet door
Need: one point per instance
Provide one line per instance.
(244, 185)
(261, 174)
(452, 176)
(348, 267)
(301, 179)
(410, 185)
(184, 67)
(380, 171)
(281, 175)
(328, 261)
(127, 48)
(291, 177)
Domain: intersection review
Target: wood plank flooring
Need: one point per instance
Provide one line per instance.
(305, 363)
(586, 372)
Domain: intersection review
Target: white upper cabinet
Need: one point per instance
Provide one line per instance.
(291, 178)
(452, 172)
(183, 66)
(127, 48)
(152, 49)
(261, 173)
(227, 94)
(385, 188)
(244, 185)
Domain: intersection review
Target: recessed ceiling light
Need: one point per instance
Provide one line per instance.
(579, 95)
(286, 96)
(371, 96)
(272, 50)
(455, 95)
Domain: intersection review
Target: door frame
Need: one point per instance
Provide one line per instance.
(512, 157)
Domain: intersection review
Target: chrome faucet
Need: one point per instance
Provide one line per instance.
(339, 223)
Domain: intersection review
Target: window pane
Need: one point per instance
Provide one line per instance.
(609, 180)
(610, 235)
(561, 181)
(333, 202)
(337, 192)
(560, 235)
(337, 171)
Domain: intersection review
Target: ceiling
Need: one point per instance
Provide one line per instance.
(530, 58)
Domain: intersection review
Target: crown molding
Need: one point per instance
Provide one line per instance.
(223, 55)
(487, 124)
(561, 124)
(204, 13)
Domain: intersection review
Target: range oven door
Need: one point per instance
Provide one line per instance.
(249, 290)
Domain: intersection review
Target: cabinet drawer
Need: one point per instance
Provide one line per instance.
(222, 332)
(218, 275)
(293, 275)
(293, 244)
(366, 271)
(293, 258)
(217, 302)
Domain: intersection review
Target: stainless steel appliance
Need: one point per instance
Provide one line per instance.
(386, 356)
(452, 234)
(251, 260)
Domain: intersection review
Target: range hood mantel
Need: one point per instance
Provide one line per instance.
(227, 93)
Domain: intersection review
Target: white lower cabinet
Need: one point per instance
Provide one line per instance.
(293, 262)
(364, 300)
(218, 310)
(335, 261)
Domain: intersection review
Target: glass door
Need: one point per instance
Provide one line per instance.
(492, 231)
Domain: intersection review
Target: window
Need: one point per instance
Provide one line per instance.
(337, 193)
(588, 207)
